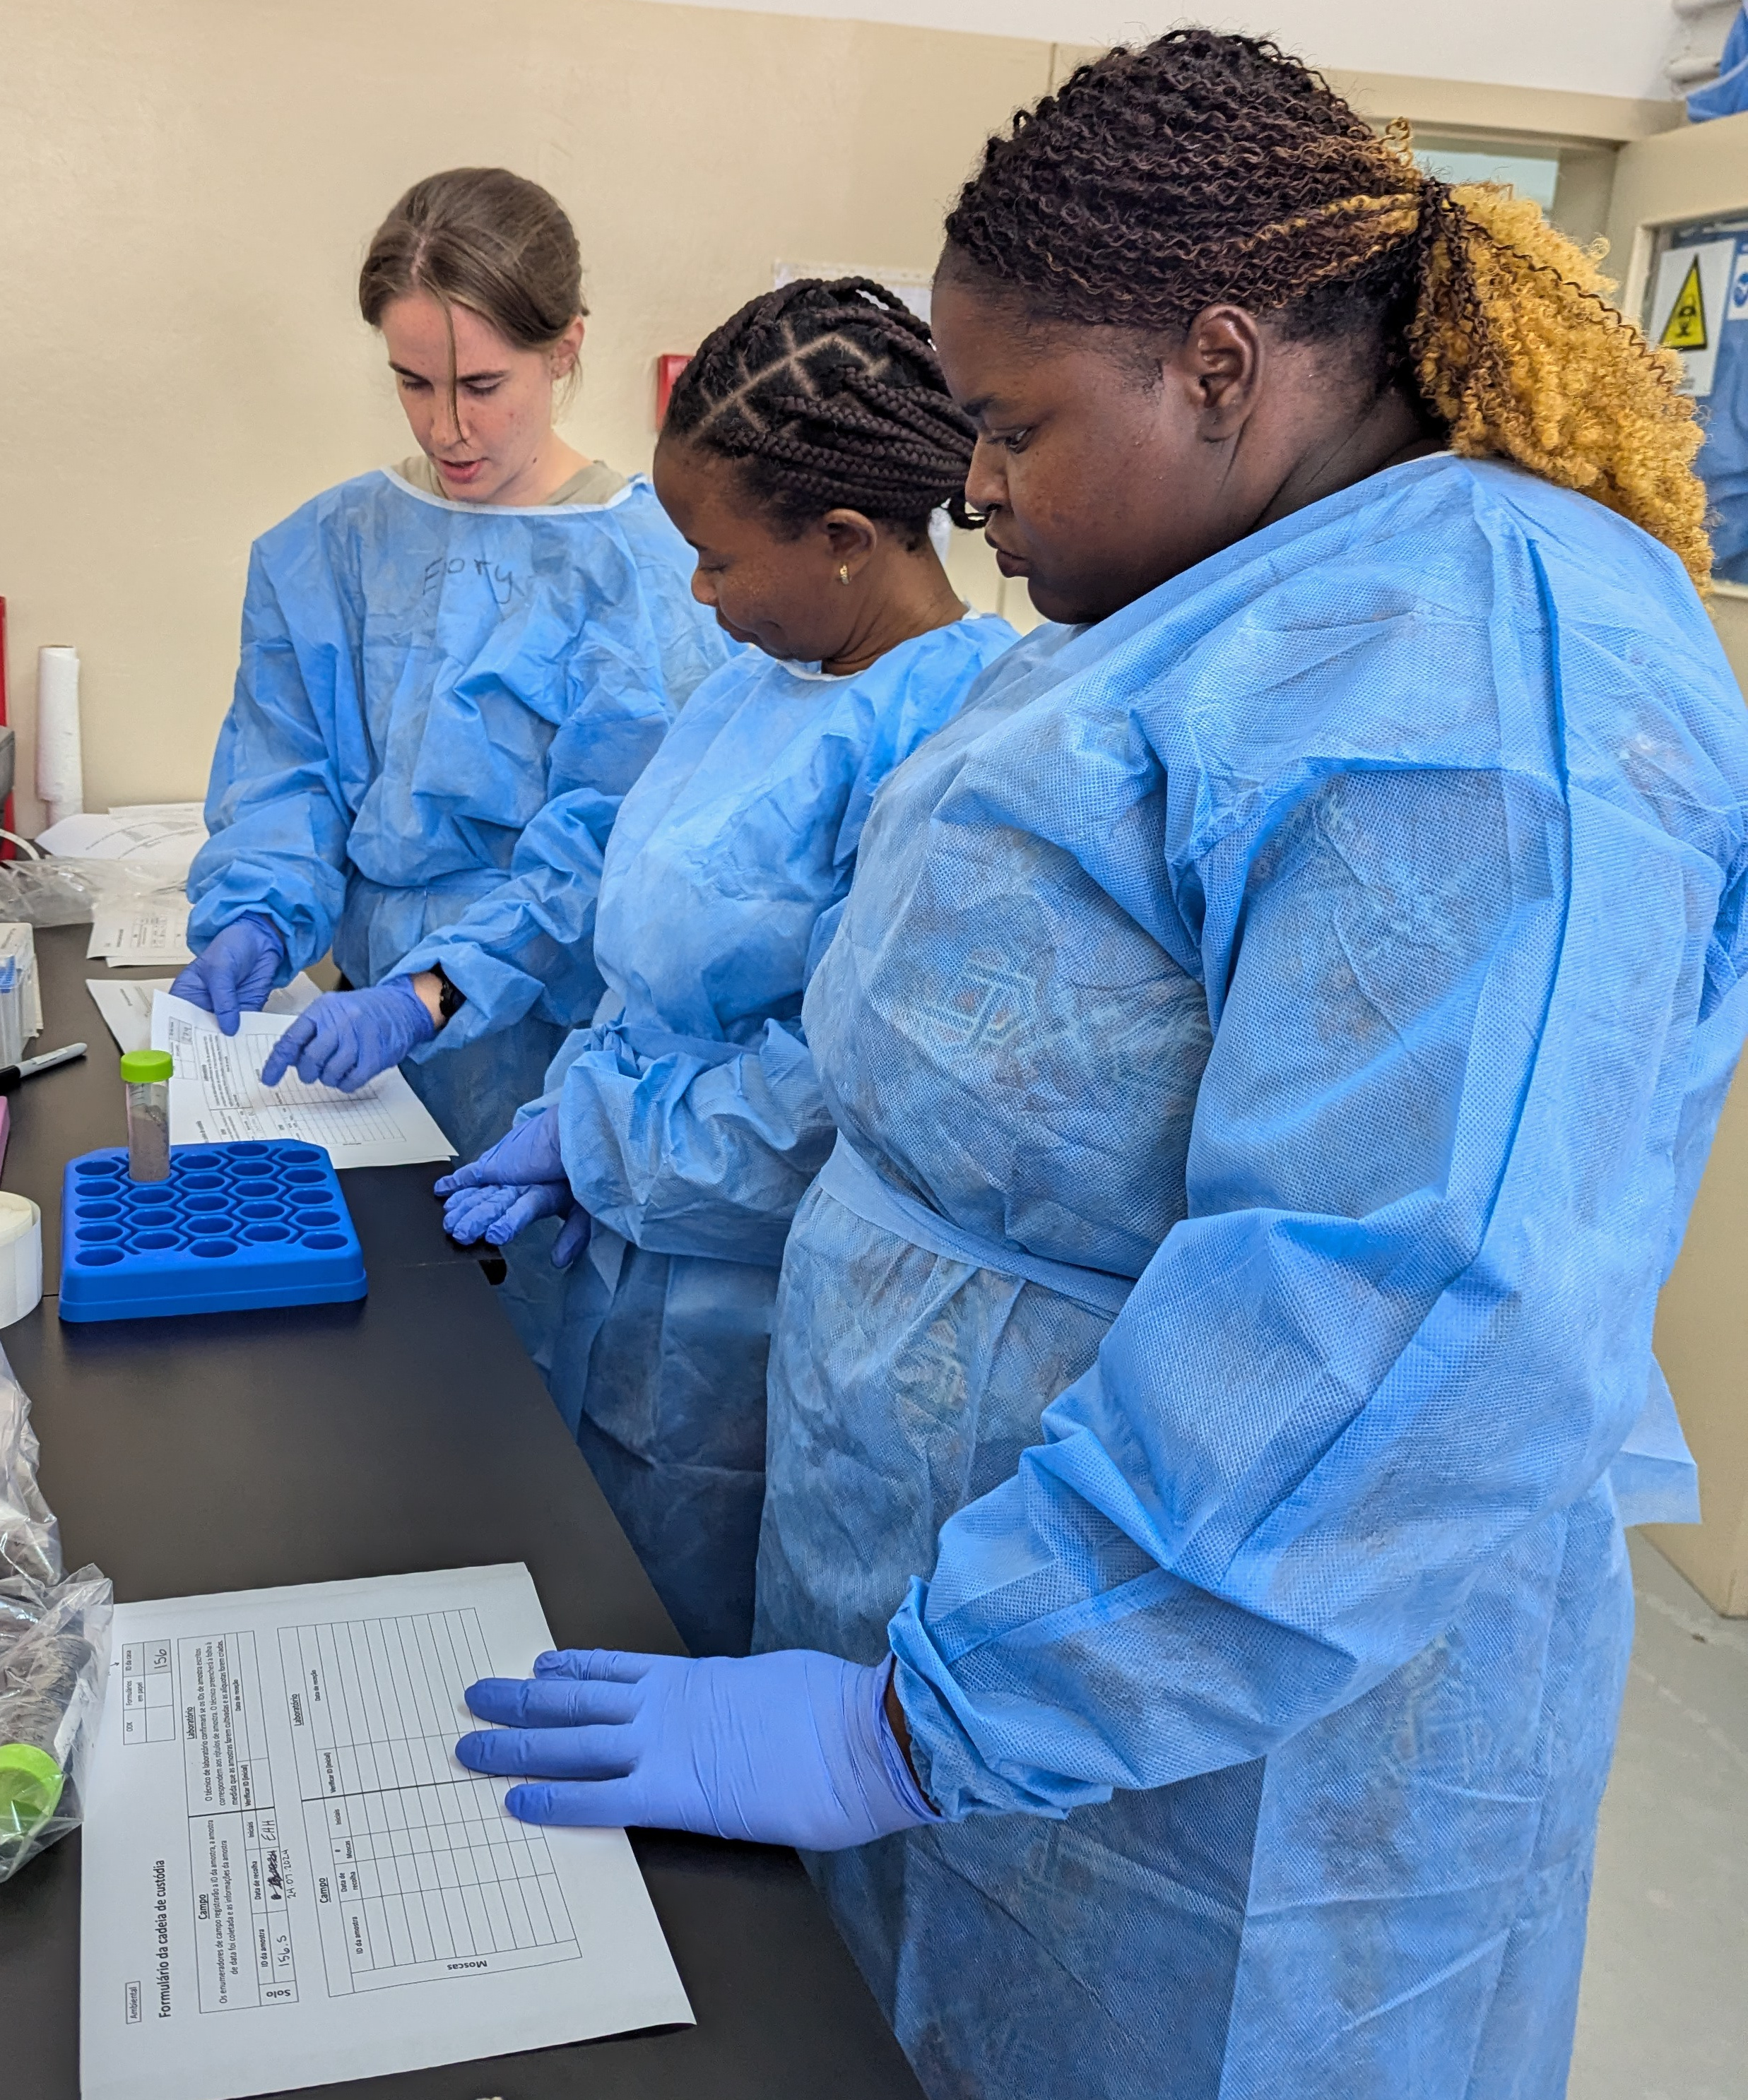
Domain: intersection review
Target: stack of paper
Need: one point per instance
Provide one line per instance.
(147, 932)
(167, 834)
(125, 1004)
(143, 918)
(216, 1096)
(189, 815)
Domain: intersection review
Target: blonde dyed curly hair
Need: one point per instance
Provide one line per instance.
(1205, 169)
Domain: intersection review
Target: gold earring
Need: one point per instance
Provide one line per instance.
(843, 572)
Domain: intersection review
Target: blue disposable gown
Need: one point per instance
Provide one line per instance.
(691, 1121)
(439, 708)
(1727, 93)
(1345, 940)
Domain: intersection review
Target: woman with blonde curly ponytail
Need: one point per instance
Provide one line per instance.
(1274, 1035)
(1518, 352)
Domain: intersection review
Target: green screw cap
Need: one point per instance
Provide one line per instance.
(30, 1784)
(141, 1068)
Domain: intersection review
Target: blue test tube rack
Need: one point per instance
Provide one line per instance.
(236, 1227)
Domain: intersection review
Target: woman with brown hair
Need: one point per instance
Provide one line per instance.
(1273, 1035)
(451, 672)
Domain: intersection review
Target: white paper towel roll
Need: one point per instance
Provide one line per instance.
(60, 764)
(21, 1258)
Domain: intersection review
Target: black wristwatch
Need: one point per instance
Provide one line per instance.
(451, 998)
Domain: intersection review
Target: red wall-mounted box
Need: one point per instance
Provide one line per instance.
(668, 369)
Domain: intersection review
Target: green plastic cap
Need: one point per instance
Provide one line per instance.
(30, 1784)
(142, 1068)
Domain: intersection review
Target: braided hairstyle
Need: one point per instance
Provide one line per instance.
(828, 395)
(1205, 169)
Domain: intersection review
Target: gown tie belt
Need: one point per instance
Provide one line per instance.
(848, 1177)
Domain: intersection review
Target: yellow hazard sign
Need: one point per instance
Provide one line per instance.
(1685, 329)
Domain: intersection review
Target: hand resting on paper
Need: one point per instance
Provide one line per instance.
(792, 1748)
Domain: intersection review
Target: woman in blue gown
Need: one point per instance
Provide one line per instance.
(451, 674)
(806, 446)
(1275, 1037)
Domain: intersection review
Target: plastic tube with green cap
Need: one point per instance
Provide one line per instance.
(30, 1784)
(50, 1693)
(146, 1075)
(53, 1655)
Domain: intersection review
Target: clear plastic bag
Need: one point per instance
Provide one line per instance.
(53, 1653)
(63, 890)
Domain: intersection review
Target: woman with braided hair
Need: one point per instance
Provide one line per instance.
(806, 447)
(1275, 1033)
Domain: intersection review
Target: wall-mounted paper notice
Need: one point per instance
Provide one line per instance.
(216, 1096)
(290, 1881)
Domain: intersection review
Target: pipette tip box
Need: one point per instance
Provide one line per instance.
(235, 1227)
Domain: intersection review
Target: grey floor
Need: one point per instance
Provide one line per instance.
(1664, 2010)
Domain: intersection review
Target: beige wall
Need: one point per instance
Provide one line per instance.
(189, 187)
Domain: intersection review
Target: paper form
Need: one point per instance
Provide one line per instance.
(216, 1096)
(288, 1878)
(168, 835)
(143, 931)
(125, 1004)
(190, 815)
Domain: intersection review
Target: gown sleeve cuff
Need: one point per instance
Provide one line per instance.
(900, 1775)
(300, 943)
(494, 994)
(944, 1722)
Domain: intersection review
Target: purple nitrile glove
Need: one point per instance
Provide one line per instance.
(234, 972)
(497, 1215)
(344, 1039)
(520, 1179)
(792, 1748)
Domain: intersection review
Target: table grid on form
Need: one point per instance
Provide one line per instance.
(419, 1871)
(148, 1693)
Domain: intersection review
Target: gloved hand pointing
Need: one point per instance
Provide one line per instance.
(346, 1038)
(792, 1749)
(234, 972)
(521, 1178)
